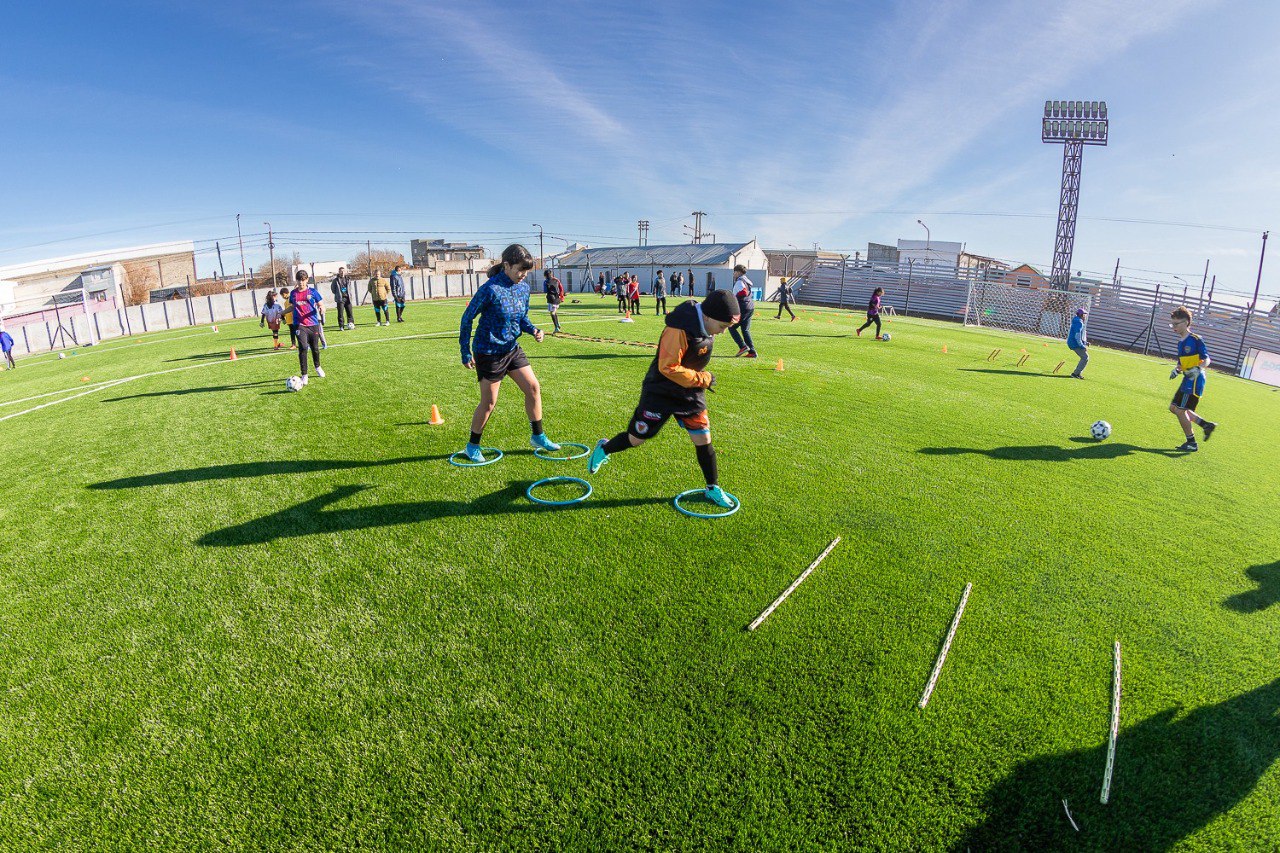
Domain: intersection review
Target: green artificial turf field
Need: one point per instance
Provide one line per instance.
(233, 617)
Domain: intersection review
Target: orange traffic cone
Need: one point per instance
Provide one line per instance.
(944, 349)
(436, 420)
(84, 378)
(233, 354)
(779, 368)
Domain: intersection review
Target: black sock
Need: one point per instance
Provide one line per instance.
(475, 439)
(536, 426)
(617, 444)
(707, 462)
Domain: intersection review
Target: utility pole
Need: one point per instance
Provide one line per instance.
(697, 225)
(243, 277)
(541, 252)
(1253, 305)
(218, 246)
(1202, 283)
(368, 255)
(271, 248)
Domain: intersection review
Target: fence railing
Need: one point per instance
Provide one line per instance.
(1124, 317)
(75, 328)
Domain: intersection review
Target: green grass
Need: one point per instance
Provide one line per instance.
(236, 618)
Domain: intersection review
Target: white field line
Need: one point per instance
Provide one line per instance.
(942, 656)
(112, 346)
(1115, 725)
(772, 607)
(111, 383)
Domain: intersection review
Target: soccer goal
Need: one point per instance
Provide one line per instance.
(1022, 309)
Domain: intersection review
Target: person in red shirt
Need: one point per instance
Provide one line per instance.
(633, 293)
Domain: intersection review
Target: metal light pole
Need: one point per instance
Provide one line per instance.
(540, 261)
(271, 248)
(928, 236)
(1184, 287)
(243, 278)
(1075, 124)
(1254, 305)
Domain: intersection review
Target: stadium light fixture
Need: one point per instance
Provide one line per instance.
(1074, 124)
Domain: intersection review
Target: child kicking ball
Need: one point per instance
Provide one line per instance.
(676, 386)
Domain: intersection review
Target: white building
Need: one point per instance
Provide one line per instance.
(709, 265)
(96, 281)
(937, 255)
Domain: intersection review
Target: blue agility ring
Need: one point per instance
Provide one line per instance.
(546, 481)
(540, 453)
(737, 505)
(453, 459)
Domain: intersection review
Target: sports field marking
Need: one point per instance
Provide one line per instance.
(772, 607)
(942, 655)
(1115, 724)
(111, 383)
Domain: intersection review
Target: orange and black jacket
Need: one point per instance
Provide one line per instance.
(678, 376)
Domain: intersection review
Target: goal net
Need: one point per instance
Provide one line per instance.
(1022, 309)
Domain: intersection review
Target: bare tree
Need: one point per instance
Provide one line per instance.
(380, 259)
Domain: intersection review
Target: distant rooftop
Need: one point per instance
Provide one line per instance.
(678, 255)
(95, 259)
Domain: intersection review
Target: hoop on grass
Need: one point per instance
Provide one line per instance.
(737, 505)
(453, 460)
(549, 481)
(541, 454)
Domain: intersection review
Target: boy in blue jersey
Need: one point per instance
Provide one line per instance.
(502, 304)
(1193, 358)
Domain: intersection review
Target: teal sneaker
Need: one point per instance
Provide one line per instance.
(473, 453)
(598, 457)
(720, 497)
(541, 442)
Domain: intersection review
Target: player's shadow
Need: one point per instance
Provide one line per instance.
(222, 355)
(1173, 776)
(313, 516)
(1089, 449)
(593, 356)
(209, 389)
(267, 468)
(803, 335)
(1015, 372)
(1268, 592)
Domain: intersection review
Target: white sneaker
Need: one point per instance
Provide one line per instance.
(320, 372)
(304, 380)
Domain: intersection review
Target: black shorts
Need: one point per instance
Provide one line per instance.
(1185, 398)
(650, 416)
(379, 303)
(492, 368)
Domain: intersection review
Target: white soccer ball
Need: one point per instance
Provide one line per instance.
(885, 336)
(62, 355)
(1101, 430)
(293, 383)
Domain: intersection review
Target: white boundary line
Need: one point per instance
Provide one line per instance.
(772, 607)
(111, 383)
(942, 656)
(1115, 724)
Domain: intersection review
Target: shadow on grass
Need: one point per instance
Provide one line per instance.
(803, 335)
(241, 470)
(209, 389)
(1052, 452)
(224, 355)
(590, 356)
(311, 516)
(1173, 777)
(1268, 592)
(1015, 372)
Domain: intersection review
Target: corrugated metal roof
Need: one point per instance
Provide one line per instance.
(679, 255)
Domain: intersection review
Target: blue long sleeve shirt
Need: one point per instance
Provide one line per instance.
(1076, 338)
(503, 308)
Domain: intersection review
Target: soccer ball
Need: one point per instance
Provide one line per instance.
(1100, 430)
(293, 383)
(62, 355)
(885, 336)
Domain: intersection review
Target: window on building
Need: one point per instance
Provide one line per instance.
(1024, 281)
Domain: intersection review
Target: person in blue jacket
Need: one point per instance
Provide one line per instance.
(6, 344)
(397, 293)
(502, 304)
(1078, 342)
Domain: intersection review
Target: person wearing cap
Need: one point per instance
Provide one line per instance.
(676, 386)
(1078, 342)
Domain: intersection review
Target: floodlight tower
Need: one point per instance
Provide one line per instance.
(1075, 124)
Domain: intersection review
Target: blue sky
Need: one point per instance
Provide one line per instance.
(830, 122)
